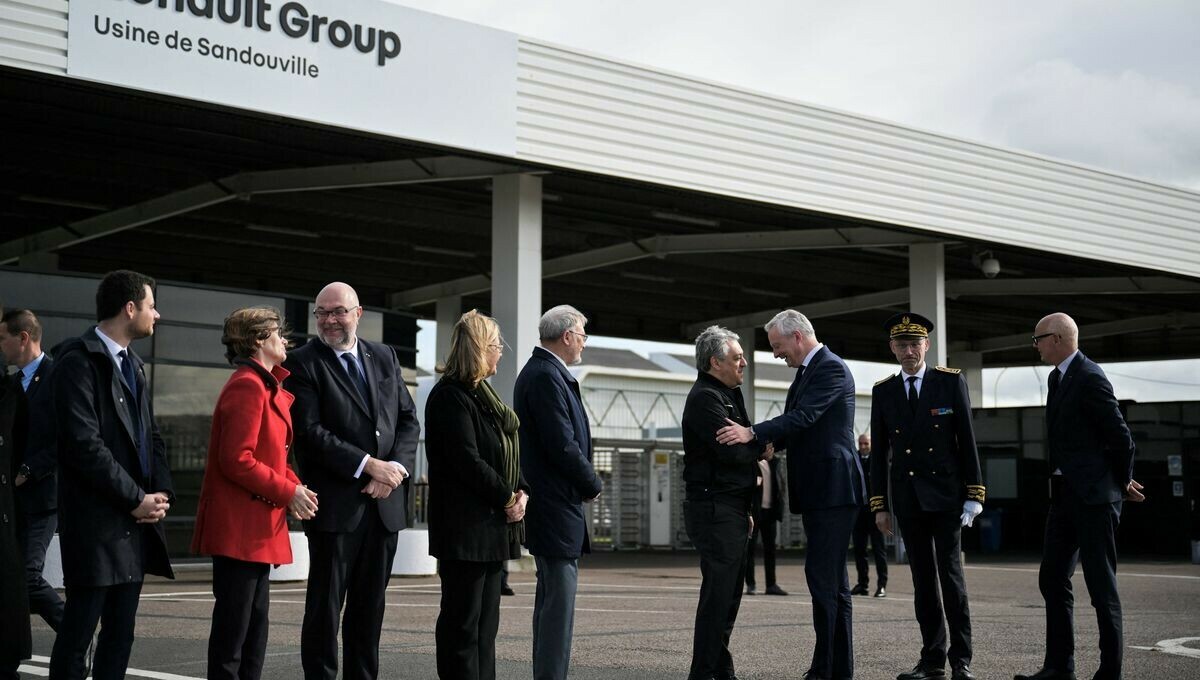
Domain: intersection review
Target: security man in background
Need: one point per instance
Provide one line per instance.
(921, 428)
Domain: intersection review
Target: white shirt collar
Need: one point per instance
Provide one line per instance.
(560, 359)
(1062, 368)
(113, 347)
(810, 355)
(919, 375)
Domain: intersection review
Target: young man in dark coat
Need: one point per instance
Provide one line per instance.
(719, 486)
(556, 459)
(921, 423)
(114, 482)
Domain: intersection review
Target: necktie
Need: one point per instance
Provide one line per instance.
(128, 375)
(135, 409)
(1055, 376)
(356, 376)
(912, 393)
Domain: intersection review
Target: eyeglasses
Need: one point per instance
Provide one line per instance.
(499, 347)
(337, 312)
(1043, 336)
(585, 336)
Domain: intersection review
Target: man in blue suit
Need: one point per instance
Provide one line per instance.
(556, 460)
(1090, 453)
(825, 480)
(36, 480)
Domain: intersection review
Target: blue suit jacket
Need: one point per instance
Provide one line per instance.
(556, 457)
(40, 493)
(817, 429)
(1086, 434)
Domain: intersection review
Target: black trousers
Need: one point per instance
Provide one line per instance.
(934, 543)
(767, 529)
(352, 569)
(470, 616)
(34, 532)
(237, 644)
(114, 608)
(1087, 534)
(864, 530)
(719, 529)
(828, 533)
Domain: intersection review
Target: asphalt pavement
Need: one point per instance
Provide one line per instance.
(635, 614)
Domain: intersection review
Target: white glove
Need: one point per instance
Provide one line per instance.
(971, 510)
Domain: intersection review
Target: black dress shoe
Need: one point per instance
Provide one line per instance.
(962, 672)
(922, 672)
(860, 589)
(880, 592)
(775, 590)
(1046, 674)
(812, 675)
(505, 590)
(751, 590)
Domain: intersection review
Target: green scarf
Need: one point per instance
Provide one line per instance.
(510, 464)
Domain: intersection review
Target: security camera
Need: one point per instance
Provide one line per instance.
(990, 267)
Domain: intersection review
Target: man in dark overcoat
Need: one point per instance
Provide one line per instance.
(114, 484)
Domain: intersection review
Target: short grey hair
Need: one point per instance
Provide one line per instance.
(789, 321)
(559, 320)
(712, 342)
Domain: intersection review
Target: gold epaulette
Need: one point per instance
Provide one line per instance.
(886, 379)
(943, 369)
(976, 492)
(877, 504)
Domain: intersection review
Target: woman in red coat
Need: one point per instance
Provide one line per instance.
(248, 489)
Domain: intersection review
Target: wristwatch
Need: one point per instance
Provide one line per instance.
(23, 471)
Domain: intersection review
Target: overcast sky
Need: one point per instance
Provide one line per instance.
(1109, 84)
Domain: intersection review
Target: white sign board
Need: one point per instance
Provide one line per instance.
(365, 65)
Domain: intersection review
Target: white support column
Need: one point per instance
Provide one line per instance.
(447, 311)
(516, 271)
(749, 392)
(971, 364)
(927, 294)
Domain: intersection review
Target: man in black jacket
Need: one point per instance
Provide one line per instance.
(922, 432)
(356, 435)
(36, 480)
(114, 482)
(15, 642)
(719, 482)
(1090, 451)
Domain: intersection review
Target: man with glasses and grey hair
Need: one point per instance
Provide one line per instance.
(825, 479)
(719, 483)
(556, 461)
(356, 432)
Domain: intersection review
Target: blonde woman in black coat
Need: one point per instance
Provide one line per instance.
(476, 498)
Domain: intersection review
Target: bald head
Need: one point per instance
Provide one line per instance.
(338, 311)
(1057, 337)
(335, 294)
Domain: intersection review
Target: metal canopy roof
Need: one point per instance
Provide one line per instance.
(642, 260)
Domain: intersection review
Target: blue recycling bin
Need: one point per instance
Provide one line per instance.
(991, 524)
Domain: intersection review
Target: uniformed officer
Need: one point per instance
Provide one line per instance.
(921, 426)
